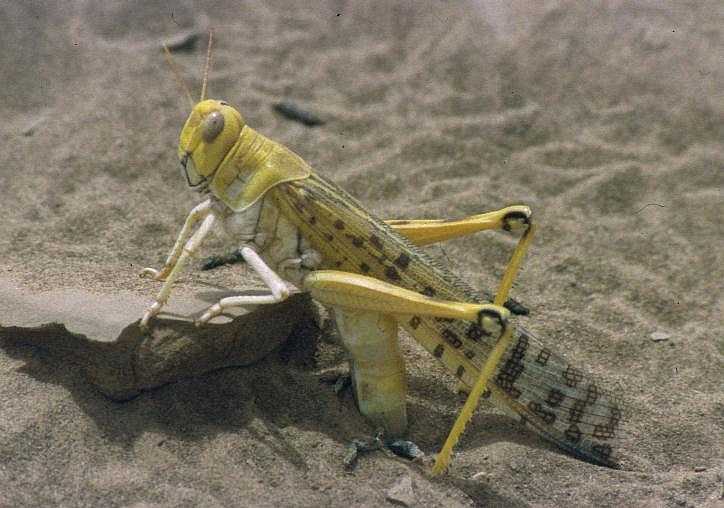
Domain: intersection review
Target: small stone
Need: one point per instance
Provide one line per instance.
(32, 126)
(183, 41)
(660, 336)
(406, 449)
(401, 492)
(479, 476)
(699, 469)
(294, 112)
(358, 446)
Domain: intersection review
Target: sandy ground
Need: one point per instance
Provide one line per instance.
(606, 118)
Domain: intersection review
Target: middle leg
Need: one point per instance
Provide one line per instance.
(280, 291)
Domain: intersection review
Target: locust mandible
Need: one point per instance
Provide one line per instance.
(301, 232)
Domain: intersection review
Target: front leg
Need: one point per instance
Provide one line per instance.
(187, 250)
(279, 289)
(199, 212)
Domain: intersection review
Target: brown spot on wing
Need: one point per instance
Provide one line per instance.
(555, 397)
(402, 261)
(391, 273)
(543, 356)
(452, 338)
(572, 376)
(575, 414)
(547, 416)
(573, 433)
(474, 332)
(591, 393)
(603, 432)
(375, 240)
(439, 350)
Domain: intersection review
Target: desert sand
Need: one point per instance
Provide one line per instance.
(607, 118)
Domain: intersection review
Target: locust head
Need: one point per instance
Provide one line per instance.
(217, 157)
(210, 132)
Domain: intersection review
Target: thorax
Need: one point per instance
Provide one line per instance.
(276, 239)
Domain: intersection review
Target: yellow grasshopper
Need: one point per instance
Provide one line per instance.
(301, 232)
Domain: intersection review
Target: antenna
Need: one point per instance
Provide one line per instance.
(177, 74)
(208, 66)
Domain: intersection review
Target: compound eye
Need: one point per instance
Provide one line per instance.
(212, 125)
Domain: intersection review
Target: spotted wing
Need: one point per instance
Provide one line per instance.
(547, 393)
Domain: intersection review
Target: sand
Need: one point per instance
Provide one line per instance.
(606, 118)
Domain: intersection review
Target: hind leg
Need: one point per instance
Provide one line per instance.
(376, 368)
(366, 311)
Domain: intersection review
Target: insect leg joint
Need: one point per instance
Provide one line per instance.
(280, 291)
(188, 249)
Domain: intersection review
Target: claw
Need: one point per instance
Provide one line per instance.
(281, 293)
(210, 314)
(152, 273)
(400, 447)
(152, 311)
(143, 325)
(148, 272)
(358, 446)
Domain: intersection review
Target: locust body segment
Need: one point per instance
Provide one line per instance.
(298, 231)
(377, 368)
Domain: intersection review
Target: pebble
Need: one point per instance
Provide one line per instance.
(406, 449)
(401, 492)
(32, 126)
(183, 42)
(660, 336)
(294, 112)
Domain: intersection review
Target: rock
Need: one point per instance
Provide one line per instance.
(404, 448)
(185, 41)
(294, 112)
(401, 492)
(32, 125)
(660, 336)
(98, 334)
